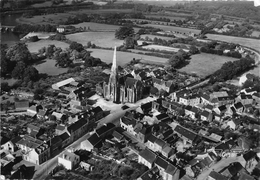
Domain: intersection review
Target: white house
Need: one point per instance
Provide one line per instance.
(65, 82)
(68, 160)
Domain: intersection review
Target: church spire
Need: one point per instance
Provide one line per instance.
(114, 66)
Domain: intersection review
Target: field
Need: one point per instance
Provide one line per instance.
(102, 39)
(172, 18)
(123, 57)
(58, 18)
(205, 64)
(165, 48)
(48, 67)
(158, 3)
(153, 36)
(173, 28)
(35, 46)
(253, 43)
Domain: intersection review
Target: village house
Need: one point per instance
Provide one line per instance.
(256, 97)
(55, 144)
(206, 116)
(34, 150)
(232, 170)
(248, 91)
(239, 108)
(216, 176)
(59, 85)
(191, 100)
(173, 107)
(34, 131)
(77, 129)
(105, 130)
(10, 145)
(234, 124)
(21, 105)
(220, 110)
(191, 112)
(147, 157)
(185, 134)
(251, 159)
(92, 142)
(69, 160)
(167, 86)
(245, 99)
(65, 137)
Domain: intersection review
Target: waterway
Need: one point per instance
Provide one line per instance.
(9, 38)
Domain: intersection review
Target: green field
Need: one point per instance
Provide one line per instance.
(173, 28)
(153, 36)
(102, 39)
(58, 18)
(205, 64)
(35, 46)
(172, 18)
(124, 57)
(162, 48)
(253, 43)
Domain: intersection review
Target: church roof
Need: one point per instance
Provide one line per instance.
(130, 82)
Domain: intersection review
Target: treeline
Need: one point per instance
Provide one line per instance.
(230, 69)
(26, 28)
(220, 52)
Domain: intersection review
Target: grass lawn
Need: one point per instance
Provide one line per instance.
(9, 81)
(123, 57)
(166, 48)
(153, 36)
(205, 64)
(48, 67)
(35, 46)
(253, 43)
(173, 28)
(102, 39)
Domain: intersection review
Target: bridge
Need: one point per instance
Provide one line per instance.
(6, 28)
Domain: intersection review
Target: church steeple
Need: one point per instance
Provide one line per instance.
(114, 66)
(113, 75)
(113, 81)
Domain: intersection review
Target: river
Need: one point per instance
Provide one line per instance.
(9, 38)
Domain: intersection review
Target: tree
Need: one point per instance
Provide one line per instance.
(19, 70)
(124, 32)
(76, 46)
(31, 73)
(130, 43)
(194, 50)
(19, 52)
(50, 50)
(5, 86)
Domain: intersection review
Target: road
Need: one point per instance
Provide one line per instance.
(44, 169)
(220, 165)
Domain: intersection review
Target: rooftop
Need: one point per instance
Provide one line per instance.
(148, 155)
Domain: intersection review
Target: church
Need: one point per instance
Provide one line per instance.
(120, 89)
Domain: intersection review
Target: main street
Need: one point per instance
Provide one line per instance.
(44, 169)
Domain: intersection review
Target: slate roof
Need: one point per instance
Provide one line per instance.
(205, 114)
(97, 110)
(167, 133)
(232, 169)
(78, 124)
(152, 138)
(171, 169)
(245, 176)
(55, 140)
(131, 82)
(60, 127)
(162, 116)
(104, 129)
(238, 105)
(148, 155)
(94, 139)
(185, 132)
(217, 176)
(210, 107)
(160, 142)
(117, 135)
(64, 136)
(222, 108)
(161, 163)
(249, 155)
